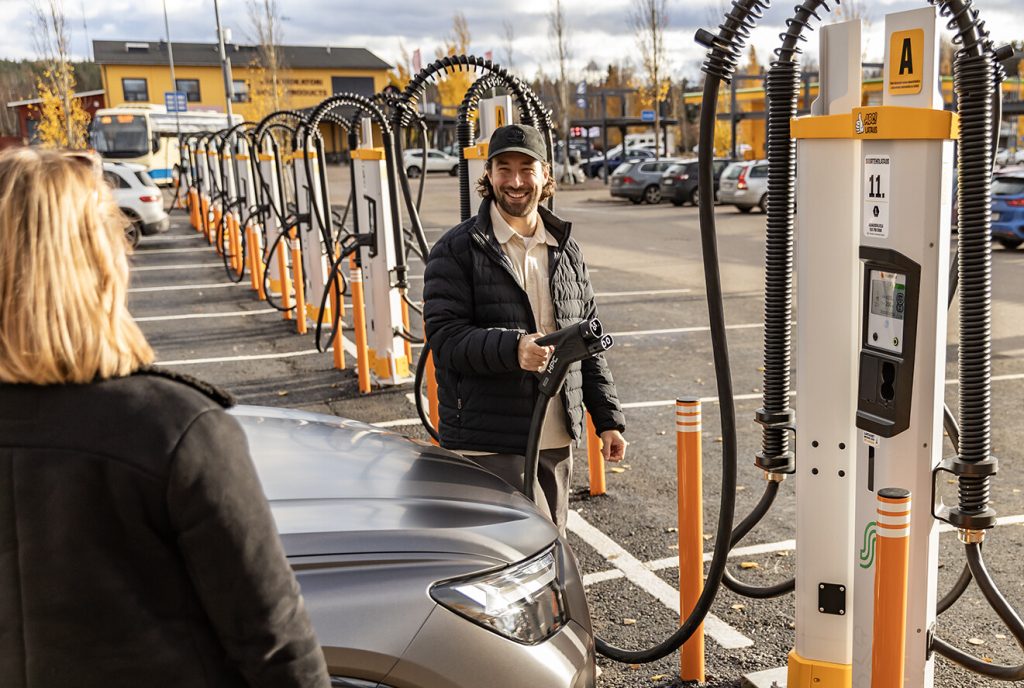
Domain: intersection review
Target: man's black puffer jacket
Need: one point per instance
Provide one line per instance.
(475, 312)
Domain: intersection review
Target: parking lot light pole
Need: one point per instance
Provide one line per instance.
(225, 63)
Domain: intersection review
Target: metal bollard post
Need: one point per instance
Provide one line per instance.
(892, 559)
(298, 281)
(594, 459)
(432, 410)
(691, 529)
(359, 325)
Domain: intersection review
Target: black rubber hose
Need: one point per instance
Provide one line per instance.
(776, 416)
(723, 55)
(421, 367)
(464, 139)
(758, 592)
(1005, 612)
(423, 177)
(410, 204)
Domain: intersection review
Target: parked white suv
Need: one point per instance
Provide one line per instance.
(139, 198)
(745, 185)
(437, 161)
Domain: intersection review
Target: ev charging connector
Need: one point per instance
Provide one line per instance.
(572, 344)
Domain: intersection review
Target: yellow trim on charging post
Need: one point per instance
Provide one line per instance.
(810, 673)
(878, 123)
(380, 366)
(477, 152)
(368, 154)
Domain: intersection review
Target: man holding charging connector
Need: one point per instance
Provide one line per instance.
(494, 285)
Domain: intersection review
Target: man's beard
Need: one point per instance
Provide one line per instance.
(518, 208)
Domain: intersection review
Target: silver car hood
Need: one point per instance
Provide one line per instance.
(340, 488)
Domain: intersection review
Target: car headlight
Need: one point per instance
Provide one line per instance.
(524, 602)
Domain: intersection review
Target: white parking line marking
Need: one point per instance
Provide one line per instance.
(683, 330)
(194, 249)
(650, 292)
(350, 348)
(183, 266)
(191, 316)
(173, 237)
(641, 576)
(186, 287)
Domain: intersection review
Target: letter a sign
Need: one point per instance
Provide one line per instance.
(906, 62)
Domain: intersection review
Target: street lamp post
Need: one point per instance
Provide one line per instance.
(225, 63)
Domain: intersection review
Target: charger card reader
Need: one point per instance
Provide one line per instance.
(892, 285)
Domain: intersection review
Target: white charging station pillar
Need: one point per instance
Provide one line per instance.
(310, 200)
(828, 300)
(271, 195)
(906, 183)
(493, 112)
(388, 362)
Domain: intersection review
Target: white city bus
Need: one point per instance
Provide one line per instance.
(147, 134)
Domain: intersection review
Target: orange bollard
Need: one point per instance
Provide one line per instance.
(258, 269)
(234, 245)
(339, 344)
(405, 325)
(286, 284)
(691, 530)
(359, 326)
(253, 257)
(433, 411)
(193, 208)
(204, 216)
(594, 459)
(218, 229)
(299, 281)
(892, 559)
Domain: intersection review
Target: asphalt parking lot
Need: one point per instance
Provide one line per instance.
(646, 268)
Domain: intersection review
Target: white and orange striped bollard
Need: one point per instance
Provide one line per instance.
(690, 485)
(892, 560)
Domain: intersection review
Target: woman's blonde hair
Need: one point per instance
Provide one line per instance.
(63, 273)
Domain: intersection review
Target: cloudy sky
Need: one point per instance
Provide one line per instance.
(599, 28)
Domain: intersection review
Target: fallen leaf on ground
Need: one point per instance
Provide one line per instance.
(739, 607)
(718, 439)
(661, 432)
(1001, 636)
(707, 536)
(671, 530)
(749, 565)
(282, 392)
(628, 621)
(659, 677)
(740, 488)
(617, 469)
(976, 641)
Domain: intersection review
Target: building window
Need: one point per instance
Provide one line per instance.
(135, 90)
(240, 91)
(190, 87)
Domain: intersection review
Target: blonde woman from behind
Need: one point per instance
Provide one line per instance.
(136, 547)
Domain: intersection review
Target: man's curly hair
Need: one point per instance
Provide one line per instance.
(484, 188)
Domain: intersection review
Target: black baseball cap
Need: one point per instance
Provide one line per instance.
(517, 138)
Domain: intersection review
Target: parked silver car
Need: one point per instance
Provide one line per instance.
(640, 180)
(745, 185)
(419, 568)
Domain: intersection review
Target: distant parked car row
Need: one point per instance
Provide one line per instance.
(644, 180)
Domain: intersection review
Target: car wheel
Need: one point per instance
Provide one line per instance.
(1010, 243)
(652, 195)
(695, 196)
(133, 233)
(763, 204)
(454, 171)
(413, 171)
(744, 208)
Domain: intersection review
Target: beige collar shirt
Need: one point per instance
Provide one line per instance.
(529, 258)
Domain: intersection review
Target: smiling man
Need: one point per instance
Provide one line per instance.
(493, 285)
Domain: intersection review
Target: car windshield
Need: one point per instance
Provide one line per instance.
(120, 136)
(1008, 186)
(623, 169)
(732, 172)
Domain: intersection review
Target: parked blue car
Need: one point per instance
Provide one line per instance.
(1008, 209)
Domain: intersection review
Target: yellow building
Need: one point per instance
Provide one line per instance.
(139, 72)
(750, 106)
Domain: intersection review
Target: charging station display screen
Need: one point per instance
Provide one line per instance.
(888, 297)
(886, 310)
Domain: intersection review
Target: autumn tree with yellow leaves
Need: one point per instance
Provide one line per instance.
(63, 122)
(452, 89)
